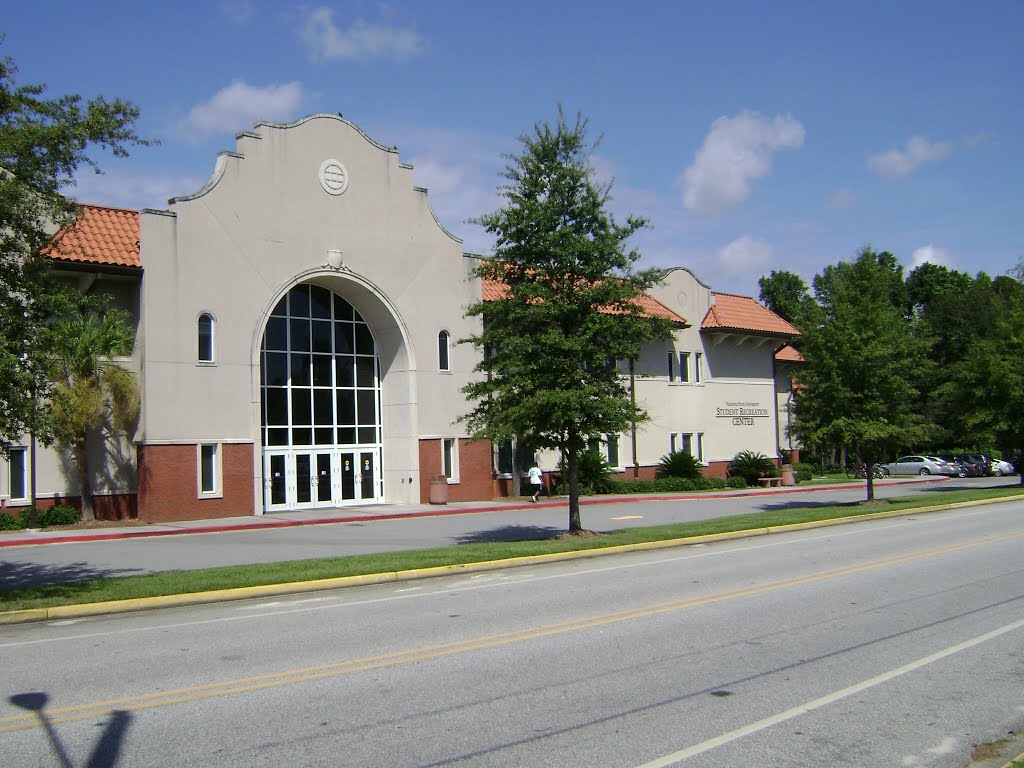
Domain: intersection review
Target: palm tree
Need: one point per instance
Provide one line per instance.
(88, 383)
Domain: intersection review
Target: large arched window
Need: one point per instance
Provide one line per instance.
(205, 334)
(444, 351)
(320, 381)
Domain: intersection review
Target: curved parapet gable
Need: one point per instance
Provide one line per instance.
(218, 173)
(426, 195)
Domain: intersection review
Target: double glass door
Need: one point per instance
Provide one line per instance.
(304, 479)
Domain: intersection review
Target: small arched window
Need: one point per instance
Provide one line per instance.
(443, 351)
(205, 333)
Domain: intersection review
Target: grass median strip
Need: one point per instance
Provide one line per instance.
(232, 577)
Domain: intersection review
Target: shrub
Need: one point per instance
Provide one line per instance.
(735, 482)
(803, 475)
(594, 473)
(9, 522)
(59, 514)
(633, 486)
(674, 484)
(751, 465)
(678, 464)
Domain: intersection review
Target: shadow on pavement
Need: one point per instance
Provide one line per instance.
(507, 533)
(14, 574)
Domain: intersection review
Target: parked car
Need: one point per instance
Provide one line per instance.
(919, 465)
(983, 462)
(1000, 468)
(948, 468)
(954, 461)
(972, 467)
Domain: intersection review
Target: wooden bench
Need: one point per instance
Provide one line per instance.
(769, 482)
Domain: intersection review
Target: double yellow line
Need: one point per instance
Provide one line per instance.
(338, 669)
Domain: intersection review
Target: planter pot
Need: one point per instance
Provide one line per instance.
(439, 489)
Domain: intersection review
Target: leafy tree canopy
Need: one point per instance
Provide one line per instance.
(785, 294)
(859, 384)
(570, 306)
(43, 143)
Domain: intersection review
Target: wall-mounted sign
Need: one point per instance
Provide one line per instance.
(742, 413)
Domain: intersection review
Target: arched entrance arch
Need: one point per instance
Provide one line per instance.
(324, 408)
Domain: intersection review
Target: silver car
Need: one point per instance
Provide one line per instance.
(1000, 468)
(919, 465)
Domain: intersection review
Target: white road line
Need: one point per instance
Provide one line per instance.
(803, 709)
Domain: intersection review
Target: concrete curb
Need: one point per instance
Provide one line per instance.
(271, 590)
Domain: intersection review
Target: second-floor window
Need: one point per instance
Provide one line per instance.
(444, 351)
(205, 332)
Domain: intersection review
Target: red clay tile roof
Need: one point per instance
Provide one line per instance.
(493, 290)
(742, 313)
(100, 235)
(789, 355)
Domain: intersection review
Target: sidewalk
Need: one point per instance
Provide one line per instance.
(376, 512)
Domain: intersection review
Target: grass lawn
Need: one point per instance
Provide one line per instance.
(182, 582)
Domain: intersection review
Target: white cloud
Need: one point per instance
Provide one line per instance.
(897, 163)
(841, 199)
(736, 151)
(123, 190)
(237, 11)
(239, 105)
(929, 254)
(745, 256)
(360, 41)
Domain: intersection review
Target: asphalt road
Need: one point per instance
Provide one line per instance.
(55, 563)
(897, 642)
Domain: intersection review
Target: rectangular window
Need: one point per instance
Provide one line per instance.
(443, 358)
(450, 458)
(209, 469)
(687, 445)
(671, 362)
(700, 446)
(613, 450)
(672, 438)
(17, 472)
(696, 366)
(684, 366)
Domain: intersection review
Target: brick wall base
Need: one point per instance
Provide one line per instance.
(120, 506)
(169, 483)
(476, 470)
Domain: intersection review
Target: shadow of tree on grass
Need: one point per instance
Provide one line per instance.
(507, 533)
(15, 574)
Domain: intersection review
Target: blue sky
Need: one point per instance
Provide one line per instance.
(754, 135)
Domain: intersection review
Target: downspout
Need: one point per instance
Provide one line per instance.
(632, 422)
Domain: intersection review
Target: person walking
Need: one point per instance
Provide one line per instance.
(536, 481)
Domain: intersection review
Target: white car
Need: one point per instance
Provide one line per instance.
(1000, 468)
(918, 465)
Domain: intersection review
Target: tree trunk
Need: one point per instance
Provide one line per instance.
(82, 454)
(871, 482)
(516, 479)
(572, 465)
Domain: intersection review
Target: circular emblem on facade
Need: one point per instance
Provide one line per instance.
(333, 177)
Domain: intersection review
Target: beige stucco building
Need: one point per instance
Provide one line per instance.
(297, 320)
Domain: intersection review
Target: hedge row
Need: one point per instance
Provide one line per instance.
(59, 514)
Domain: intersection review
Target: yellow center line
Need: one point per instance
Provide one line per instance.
(337, 669)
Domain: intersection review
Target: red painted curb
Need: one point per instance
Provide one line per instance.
(73, 538)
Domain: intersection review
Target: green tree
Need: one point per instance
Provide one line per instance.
(862, 362)
(785, 294)
(43, 143)
(570, 308)
(983, 387)
(89, 387)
